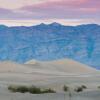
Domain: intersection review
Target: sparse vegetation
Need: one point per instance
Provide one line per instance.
(84, 87)
(65, 88)
(34, 90)
(99, 87)
(78, 89)
(21, 89)
(48, 91)
(31, 89)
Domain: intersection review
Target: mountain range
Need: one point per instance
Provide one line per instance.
(50, 42)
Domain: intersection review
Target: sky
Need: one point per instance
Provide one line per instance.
(32, 12)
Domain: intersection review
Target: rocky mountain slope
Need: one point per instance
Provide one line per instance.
(51, 42)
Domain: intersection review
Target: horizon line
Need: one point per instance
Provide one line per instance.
(33, 22)
(48, 24)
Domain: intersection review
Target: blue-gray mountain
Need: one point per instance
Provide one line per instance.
(49, 42)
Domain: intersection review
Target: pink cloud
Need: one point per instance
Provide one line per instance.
(65, 8)
(70, 4)
(56, 9)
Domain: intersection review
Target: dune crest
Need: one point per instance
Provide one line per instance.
(31, 62)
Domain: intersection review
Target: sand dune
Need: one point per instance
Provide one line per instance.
(67, 66)
(64, 66)
(53, 74)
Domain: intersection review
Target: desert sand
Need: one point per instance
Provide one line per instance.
(53, 74)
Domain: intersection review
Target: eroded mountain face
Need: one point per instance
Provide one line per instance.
(49, 42)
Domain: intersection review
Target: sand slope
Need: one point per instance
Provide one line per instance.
(53, 74)
(67, 66)
(8, 66)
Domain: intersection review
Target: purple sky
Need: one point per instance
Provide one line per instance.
(68, 12)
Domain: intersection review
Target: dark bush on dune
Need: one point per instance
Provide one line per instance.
(84, 87)
(48, 91)
(31, 89)
(99, 87)
(78, 89)
(65, 88)
(34, 90)
(12, 88)
(21, 89)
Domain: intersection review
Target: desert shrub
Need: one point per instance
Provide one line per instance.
(31, 89)
(34, 90)
(84, 87)
(12, 88)
(48, 91)
(99, 87)
(78, 89)
(21, 89)
(65, 88)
